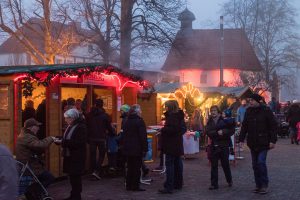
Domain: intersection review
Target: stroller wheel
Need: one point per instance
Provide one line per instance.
(47, 198)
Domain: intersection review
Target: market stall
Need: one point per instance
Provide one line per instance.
(53, 85)
(189, 98)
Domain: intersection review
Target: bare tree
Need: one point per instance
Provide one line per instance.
(152, 28)
(124, 28)
(270, 27)
(101, 18)
(40, 29)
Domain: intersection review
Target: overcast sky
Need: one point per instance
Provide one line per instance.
(207, 12)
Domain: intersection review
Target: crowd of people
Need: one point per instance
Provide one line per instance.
(127, 149)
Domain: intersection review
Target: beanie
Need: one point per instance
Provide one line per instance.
(125, 108)
(256, 97)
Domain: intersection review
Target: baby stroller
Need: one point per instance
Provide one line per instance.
(29, 185)
(283, 130)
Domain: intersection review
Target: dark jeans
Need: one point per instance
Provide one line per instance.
(112, 159)
(133, 171)
(46, 178)
(222, 154)
(260, 168)
(96, 163)
(76, 185)
(174, 170)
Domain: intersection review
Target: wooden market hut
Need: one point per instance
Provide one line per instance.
(56, 83)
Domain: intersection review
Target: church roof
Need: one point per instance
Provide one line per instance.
(200, 49)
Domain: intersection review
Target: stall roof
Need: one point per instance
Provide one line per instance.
(6, 70)
(167, 87)
(235, 91)
(172, 87)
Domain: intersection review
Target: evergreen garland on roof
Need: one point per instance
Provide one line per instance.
(27, 84)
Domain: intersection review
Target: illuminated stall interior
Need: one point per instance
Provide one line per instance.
(189, 98)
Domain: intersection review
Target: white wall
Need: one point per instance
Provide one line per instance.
(231, 76)
(79, 54)
(13, 59)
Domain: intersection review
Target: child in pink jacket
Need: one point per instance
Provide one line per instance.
(298, 131)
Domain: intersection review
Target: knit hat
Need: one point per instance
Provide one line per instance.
(125, 108)
(256, 97)
(31, 122)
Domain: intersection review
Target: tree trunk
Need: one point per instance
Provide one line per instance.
(126, 28)
(48, 38)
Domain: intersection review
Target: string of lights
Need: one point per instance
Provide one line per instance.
(46, 77)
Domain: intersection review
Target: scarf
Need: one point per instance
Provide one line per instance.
(67, 136)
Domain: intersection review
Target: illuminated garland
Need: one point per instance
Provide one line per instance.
(45, 77)
(188, 89)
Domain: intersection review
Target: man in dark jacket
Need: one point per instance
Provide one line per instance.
(172, 146)
(99, 125)
(220, 138)
(259, 126)
(135, 147)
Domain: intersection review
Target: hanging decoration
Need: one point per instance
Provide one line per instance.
(187, 90)
(45, 77)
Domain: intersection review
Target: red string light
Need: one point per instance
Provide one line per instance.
(120, 86)
(20, 77)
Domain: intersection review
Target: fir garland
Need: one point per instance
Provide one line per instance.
(27, 84)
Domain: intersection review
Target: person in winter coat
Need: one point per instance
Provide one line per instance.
(99, 127)
(41, 117)
(196, 123)
(241, 112)
(293, 117)
(28, 112)
(172, 146)
(124, 113)
(120, 157)
(219, 134)
(74, 151)
(229, 123)
(8, 175)
(135, 147)
(30, 149)
(259, 126)
(274, 105)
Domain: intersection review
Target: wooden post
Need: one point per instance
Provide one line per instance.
(53, 126)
